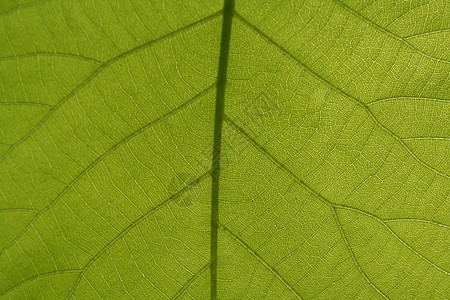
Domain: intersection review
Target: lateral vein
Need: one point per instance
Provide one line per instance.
(262, 261)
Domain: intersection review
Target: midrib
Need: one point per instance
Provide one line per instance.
(228, 10)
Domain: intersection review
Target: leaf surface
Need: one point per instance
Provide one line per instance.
(199, 149)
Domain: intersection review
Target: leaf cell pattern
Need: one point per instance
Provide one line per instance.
(312, 139)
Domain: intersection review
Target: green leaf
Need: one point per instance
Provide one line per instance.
(197, 149)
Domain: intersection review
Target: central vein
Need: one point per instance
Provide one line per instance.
(228, 10)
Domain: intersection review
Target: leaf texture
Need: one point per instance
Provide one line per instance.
(197, 149)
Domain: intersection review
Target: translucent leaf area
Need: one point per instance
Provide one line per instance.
(201, 149)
